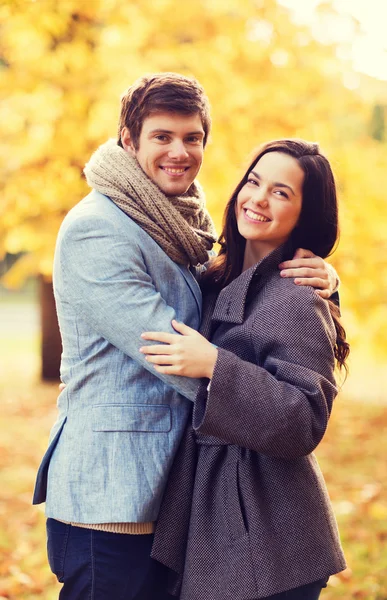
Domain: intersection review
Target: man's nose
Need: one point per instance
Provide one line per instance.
(178, 150)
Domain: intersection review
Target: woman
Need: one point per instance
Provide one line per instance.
(246, 514)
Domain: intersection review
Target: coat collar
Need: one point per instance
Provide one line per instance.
(231, 302)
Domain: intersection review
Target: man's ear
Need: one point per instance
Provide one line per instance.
(126, 141)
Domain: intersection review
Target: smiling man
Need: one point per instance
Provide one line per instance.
(169, 150)
(125, 263)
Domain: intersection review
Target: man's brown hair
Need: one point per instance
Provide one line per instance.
(162, 92)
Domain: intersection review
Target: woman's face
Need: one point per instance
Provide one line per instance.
(269, 204)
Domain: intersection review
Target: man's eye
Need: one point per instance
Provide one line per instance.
(194, 140)
(161, 137)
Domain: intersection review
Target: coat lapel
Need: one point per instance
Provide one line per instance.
(231, 302)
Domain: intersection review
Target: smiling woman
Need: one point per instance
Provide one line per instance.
(268, 348)
(269, 205)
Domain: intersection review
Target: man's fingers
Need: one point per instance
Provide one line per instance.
(154, 349)
(303, 253)
(299, 263)
(305, 272)
(315, 282)
(324, 293)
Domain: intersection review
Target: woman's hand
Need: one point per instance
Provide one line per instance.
(188, 354)
(309, 269)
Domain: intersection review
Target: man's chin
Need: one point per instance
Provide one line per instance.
(175, 189)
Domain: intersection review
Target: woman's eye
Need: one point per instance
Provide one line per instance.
(281, 193)
(253, 181)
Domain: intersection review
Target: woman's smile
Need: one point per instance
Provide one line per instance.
(251, 215)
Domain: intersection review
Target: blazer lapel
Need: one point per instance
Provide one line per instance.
(193, 286)
(209, 301)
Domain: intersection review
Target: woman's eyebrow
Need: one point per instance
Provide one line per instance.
(276, 183)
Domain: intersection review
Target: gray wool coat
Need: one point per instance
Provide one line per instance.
(246, 513)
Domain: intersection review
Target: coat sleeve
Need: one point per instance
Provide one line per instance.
(107, 281)
(280, 405)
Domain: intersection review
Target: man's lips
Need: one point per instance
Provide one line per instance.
(175, 171)
(251, 215)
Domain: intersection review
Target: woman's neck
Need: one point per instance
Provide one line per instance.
(254, 254)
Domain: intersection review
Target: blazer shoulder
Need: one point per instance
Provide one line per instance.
(95, 205)
(97, 213)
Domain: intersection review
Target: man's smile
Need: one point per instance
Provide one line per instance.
(174, 170)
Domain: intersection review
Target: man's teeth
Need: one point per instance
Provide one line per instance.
(174, 171)
(253, 215)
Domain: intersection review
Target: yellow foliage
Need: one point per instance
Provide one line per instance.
(62, 73)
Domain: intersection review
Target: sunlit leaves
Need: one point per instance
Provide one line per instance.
(64, 65)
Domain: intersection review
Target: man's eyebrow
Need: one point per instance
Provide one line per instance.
(276, 183)
(200, 132)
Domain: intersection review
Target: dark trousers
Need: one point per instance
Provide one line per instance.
(97, 565)
(311, 591)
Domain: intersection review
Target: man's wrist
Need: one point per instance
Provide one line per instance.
(335, 280)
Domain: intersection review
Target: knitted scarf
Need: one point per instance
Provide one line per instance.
(179, 224)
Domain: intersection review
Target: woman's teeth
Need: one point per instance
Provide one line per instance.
(256, 217)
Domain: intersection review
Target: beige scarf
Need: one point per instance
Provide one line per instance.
(181, 225)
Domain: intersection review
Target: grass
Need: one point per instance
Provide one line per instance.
(351, 458)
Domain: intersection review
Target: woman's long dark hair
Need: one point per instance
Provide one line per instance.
(317, 228)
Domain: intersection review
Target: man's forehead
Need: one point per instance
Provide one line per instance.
(170, 121)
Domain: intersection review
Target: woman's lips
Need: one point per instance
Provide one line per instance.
(255, 217)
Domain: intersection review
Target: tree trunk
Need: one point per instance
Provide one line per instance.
(51, 347)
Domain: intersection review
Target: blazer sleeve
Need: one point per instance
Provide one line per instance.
(279, 406)
(106, 279)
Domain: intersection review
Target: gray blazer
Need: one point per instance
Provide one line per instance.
(119, 422)
(246, 513)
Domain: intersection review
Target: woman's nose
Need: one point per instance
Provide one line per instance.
(259, 196)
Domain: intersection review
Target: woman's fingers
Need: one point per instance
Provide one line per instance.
(171, 370)
(160, 359)
(155, 349)
(182, 328)
(159, 336)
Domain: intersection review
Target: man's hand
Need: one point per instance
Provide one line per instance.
(309, 269)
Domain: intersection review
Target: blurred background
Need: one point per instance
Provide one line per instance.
(271, 68)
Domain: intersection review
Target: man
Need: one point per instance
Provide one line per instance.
(125, 263)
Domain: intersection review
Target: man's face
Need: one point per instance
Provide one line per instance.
(170, 150)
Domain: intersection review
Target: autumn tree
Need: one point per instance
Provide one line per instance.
(64, 64)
